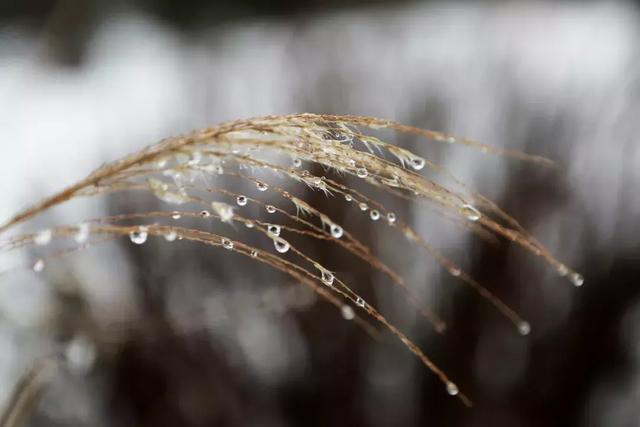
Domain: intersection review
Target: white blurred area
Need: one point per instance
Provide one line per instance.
(141, 81)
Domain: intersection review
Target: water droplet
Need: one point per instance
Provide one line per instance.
(241, 200)
(375, 215)
(326, 276)
(249, 224)
(351, 162)
(281, 245)
(452, 389)
(336, 231)
(347, 312)
(223, 210)
(273, 229)
(563, 270)
(170, 236)
(363, 206)
(270, 208)
(297, 162)
(576, 279)
(82, 233)
(524, 328)
(361, 173)
(391, 218)
(455, 271)
(360, 302)
(254, 253)
(417, 163)
(139, 236)
(471, 212)
(227, 244)
(43, 237)
(261, 186)
(205, 214)
(219, 170)
(38, 266)
(176, 215)
(348, 197)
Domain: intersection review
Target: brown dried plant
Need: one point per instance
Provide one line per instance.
(178, 170)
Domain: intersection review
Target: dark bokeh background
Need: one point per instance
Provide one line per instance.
(557, 79)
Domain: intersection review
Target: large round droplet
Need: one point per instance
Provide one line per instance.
(241, 200)
(297, 162)
(281, 245)
(336, 231)
(205, 214)
(176, 215)
(348, 197)
(139, 236)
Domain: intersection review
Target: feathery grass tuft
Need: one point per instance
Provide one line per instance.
(180, 171)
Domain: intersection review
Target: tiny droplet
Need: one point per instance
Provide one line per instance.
(375, 215)
(274, 229)
(139, 236)
(261, 186)
(391, 218)
(241, 200)
(271, 208)
(361, 173)
(452, 389)
(227, 244)
(38, 266)
(524, 328)
(471, 212)
(347, 312)
(43, 237)
(336, 231)
(576, 279)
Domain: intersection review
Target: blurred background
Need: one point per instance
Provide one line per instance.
(211, 341)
